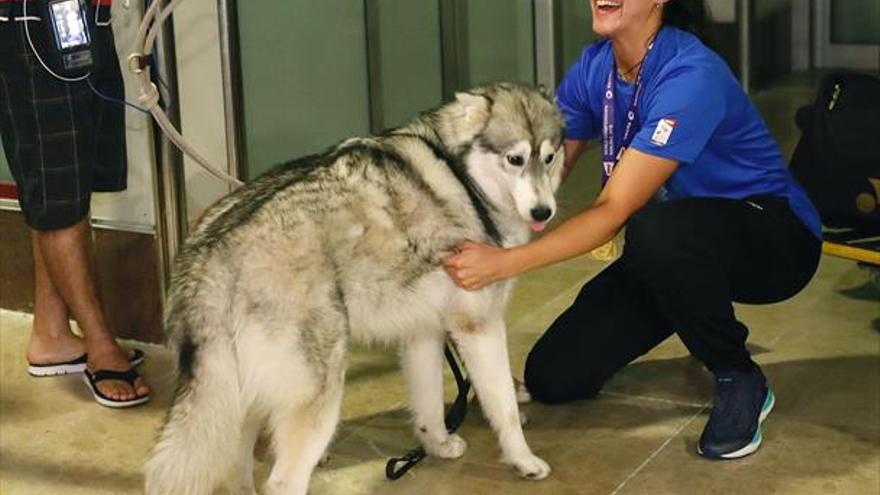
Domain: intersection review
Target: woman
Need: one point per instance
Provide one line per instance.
(712, 217)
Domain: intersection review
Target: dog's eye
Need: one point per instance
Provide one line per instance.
(549, 158)
(515, 160)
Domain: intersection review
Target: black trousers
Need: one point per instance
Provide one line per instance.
(684, 263)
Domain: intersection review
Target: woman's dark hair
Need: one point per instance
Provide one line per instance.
(689, 15)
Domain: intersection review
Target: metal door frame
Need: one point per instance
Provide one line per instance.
(830, 55)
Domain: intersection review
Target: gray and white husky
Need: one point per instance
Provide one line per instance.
(280, 275)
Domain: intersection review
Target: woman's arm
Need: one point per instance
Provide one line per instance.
(635, 180)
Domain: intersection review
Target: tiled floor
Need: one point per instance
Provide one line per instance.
(820, 350)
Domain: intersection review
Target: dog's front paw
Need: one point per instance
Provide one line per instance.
(452, 448)
(531, 467)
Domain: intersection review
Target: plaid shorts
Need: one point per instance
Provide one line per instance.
(61, 140)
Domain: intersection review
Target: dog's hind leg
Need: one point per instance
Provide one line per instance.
(242, 477)
(300, 437)
(293, 364)
(483, 347)
(197, 447)
(422, 362)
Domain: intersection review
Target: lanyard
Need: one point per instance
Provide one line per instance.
(610, 152)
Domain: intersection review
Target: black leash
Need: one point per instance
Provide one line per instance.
(398, 466)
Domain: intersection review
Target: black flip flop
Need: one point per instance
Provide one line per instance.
(129, 376)
(76, 365)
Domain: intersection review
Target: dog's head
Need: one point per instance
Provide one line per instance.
(510, 138)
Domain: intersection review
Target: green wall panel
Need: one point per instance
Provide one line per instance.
(855, 22)
(500, 40)
(304, 68)
(410, 64)
(576, 26)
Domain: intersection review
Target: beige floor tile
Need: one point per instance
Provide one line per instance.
(591, 446)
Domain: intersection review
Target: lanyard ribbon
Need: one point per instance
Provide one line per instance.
(610, 153)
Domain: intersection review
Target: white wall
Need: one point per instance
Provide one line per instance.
(201, 107)
(133, 207)
(200, 85)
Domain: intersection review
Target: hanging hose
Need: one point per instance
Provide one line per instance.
(138, 63)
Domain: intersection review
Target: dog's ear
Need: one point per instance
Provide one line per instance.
(473, 105)
(557, 166)
(546, 93)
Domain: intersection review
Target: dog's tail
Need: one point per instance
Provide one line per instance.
(197, 446)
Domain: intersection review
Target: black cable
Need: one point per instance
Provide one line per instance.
(113, 100)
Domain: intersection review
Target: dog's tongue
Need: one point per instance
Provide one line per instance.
(538, 226)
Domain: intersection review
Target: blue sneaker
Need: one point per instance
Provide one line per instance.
(742, 403)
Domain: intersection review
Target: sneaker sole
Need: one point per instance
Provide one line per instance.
(769, 402)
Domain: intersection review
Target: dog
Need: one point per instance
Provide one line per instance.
(280, 275)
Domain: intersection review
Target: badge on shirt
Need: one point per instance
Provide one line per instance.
(663, 131)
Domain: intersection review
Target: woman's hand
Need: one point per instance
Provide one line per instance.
(636, 178)
(475, 265)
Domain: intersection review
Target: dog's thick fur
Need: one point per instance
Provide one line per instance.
(279, 276)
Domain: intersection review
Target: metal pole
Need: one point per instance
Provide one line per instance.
(744, 12)
(169, 180)
(227, 11)
(374, 65)
(546, 46)
(800, 35)
(453, 46)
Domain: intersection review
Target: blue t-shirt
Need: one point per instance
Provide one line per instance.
(692, 110)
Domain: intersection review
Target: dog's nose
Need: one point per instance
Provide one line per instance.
(541, 213)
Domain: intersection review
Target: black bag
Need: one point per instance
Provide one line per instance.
(837, 159)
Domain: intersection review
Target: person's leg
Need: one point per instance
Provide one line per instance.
(48, 132)
(67, 257)
(51, 340)
(611, 322)
(696, 256)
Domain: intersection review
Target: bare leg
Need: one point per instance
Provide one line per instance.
(67, 257)
(51, 340)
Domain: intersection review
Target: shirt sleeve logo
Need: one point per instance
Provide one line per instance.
(663, 131)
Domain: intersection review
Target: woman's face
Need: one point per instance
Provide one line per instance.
(614, 17)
